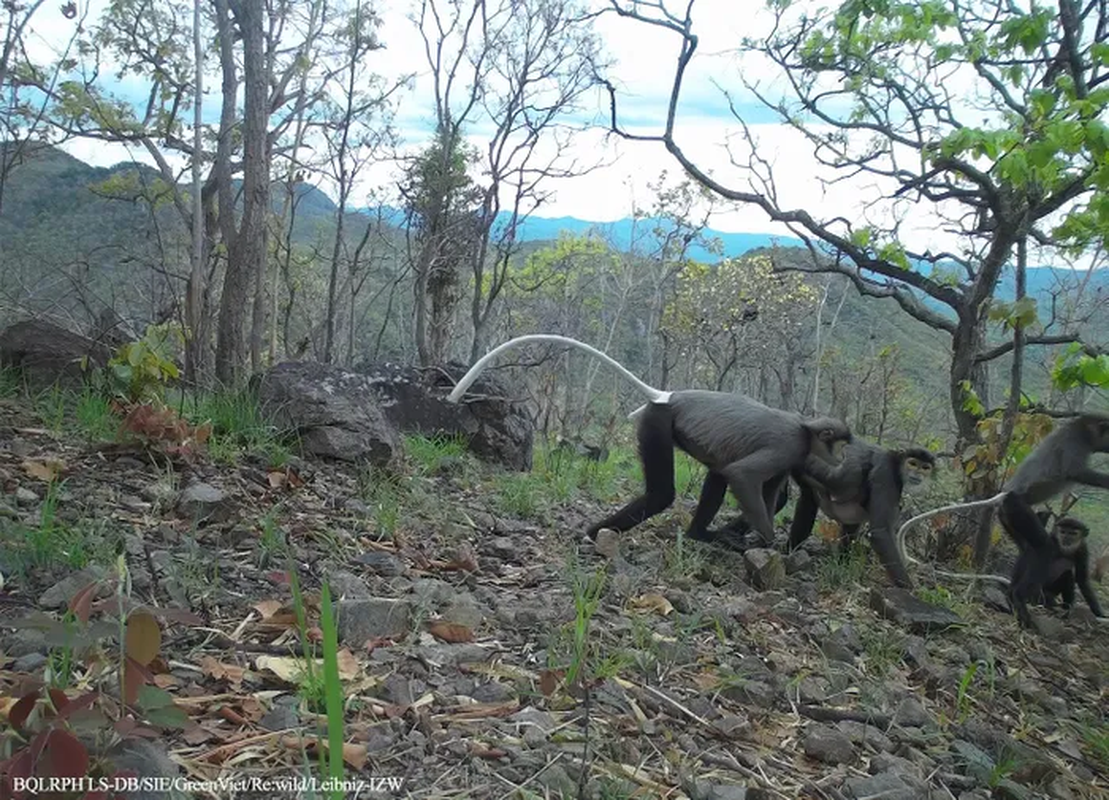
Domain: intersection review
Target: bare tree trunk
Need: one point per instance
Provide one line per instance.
(247, 255)
(194, 296)
(1012, 407)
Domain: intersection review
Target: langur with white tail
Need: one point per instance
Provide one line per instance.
(1061, 460)
(748, 447)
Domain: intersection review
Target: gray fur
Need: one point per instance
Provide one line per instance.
(744, 442)
(1062, 460)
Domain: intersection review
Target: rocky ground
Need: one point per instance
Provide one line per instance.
(703, 673)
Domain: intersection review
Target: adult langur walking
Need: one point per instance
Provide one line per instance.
(748, 447)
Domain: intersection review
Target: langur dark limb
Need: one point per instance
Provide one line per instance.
(656, 451)
(712, 497)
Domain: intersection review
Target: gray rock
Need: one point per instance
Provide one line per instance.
(348, 586)
(30, 662)
(384, 564)
(973, 761)
(24, 642)
(607, 543)
(994, 597)
(911, 713)
(906, 609)
(335, 413)
(25, 497)
(828, 745)
(751, 692)
(202, 502)
(46, 354)
(502, 547)
(842, 644)
(59, 595)
(765, 569)
(148, 760)
(886, 785)
(798, 561)
(887, 762)
(860, 733)
(491, 417)
(279, 718)
(491, 692)
(360, 621)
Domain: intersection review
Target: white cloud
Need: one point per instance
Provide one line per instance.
(645, 58)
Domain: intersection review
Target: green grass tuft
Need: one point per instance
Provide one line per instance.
(238, 427)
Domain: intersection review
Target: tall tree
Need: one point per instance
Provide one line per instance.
(870, 85)
(517, 68)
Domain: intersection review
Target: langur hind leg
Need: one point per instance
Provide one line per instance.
(747, 486)
(656, 451)
(712, 496)
(804, 516)
(1024, 526)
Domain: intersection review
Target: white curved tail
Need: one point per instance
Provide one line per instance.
(653, 394)
(908, 559)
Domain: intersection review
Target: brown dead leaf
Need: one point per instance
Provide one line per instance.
(353, 754)
(277, 479)
(165, 681)
(349, 668)
(449, 632)
(652, 602)
(549, 680)
(143, 637)
(45, 470)
(222, 672)
(287, 668)
(706, 681)
(267, 608)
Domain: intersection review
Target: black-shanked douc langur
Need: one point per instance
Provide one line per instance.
(1058, 462)
(747, 446)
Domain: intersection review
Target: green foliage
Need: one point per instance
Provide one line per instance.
(1073, 369)
(431, 452)
(1020, 313)
(986, 458)
(52, 542)
(238, 426)
(333, 692)
(144, 368)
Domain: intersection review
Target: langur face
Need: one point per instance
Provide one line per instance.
(914, 471)
(1070, 536)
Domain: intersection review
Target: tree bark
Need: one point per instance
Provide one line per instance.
(247, 252)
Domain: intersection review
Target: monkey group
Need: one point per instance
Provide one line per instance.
(754, 450)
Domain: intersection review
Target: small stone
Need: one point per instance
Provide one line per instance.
(908, 610)
(384, 564)
(503, 548)
(843, 644)
(148, 760)
(463, 612)
(29, 663)
(25, 497)
(798, 561)
(348, 586)
(202, 502)
(607, 543)
(765, 569)
(860, 733)
(360, 621)
(491, 692)
(279, 718)
(911, 713)
(59, 595)
(828, 745)
(886, 785)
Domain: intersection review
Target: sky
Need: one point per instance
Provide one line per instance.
(643, 64)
